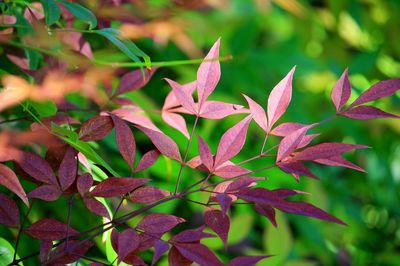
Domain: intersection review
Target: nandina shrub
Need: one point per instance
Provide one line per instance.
(57, 156)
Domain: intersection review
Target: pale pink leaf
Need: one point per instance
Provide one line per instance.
(171, 101)
(176, 121)
(125, 140)
(326, 150)
(68, 169)
(10, 180)
(198, 253)
(84, 161)
(290, 143)
(117, 186)
(9, 214)
(148, 159)
(46, 192)
(341, 91)
(219, 110)
(50, 229)
(218, 222)
(128, 241)
(367, 112)
(259, 115)
(230, 171)
(205, 154)
(285, 129)
(183, 96)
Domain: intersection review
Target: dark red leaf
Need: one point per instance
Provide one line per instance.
(84, 183)
(175, 258)
(260, 196)
(326, 150)
(134, 80)
(147, 240)
(246, 260)
(159, 223)
(218, 222)
(117, 186)
(133, 259)
(286, 193)
(367, 112)
(267, 211)
(160, 247)
(219, 110)
(9, 214)
(96, 128)
(128, 241)
(96, 207)
(148, 159)
(45, 248)
(10, 180)
(198, 253)
(68, 169)
(50, 229)
(125, 140)
(148, 194)
(37, 167)
(296, 169)
(205, 154)
(189, 236)
(114, 239)
(46, 192)
(341, 91)
(66, 254)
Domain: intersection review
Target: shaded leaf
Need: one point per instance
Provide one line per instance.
(84, 183)
(134, 80)
(46, 192)
(148, 159)
(148, 194)
(80, 12)
(128, 241)
(205, 154)
(246, 260)
(9, 214)
(224, 201)
(160, 247)
(198, 253)
(117, 186)
(218, 222)
(96, 128)
(45, 247)
(50, 229)
(296, 169)
(159, 223)
(37, 167)
(175, 258)
(66, 254)
(68, 169)
(267, 211)
(367, 112)
(341, 91)
(125, 140)
(176, 121)
(96, 207)
(190, 236)
(10, 180)
(183, 96)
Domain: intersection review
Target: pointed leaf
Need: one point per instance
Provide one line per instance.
(175, 258)
(267, 211)
(198, 253)
(191, 236)
(296, 169)
(148, 194)
(171, 101)
(290, 143)
(160, 247)
(80, 12)
(205, 154)
(9, 214)
(285, 129)
(341, 91)
(367, 112)
(148, 159)
(218, 222)
(96, 207)
(134, 80)
(50, 229)
(128, 241)
(183, 96)
(37, 167)
(84, 183)
(68, 169)
(381, 89)
(96, 128)
(51, 11)
(230, 171)
(339, 161)
(10, 180)
(45, 248)
(176, 121)
(326, 150)
(225, 202)
(117, 186)
(159, 223)
(258, 113)
(46, 192)
(219, 110)
(246, 260)
(67, 254)
(125, 140)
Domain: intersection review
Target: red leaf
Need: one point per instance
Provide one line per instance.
(246, 260)
(117, 186)
(279, 98)
(148, 194)
(296, 169)
(159, 223)
(339, 161)
(219, 110)
(175, 258)
(267, 211)
(96, 207)
(46, 192)
(290, 143)
(379, 90)
(285, 129)
(96, 128)
(50, 229)
(367, 112)
(205, 154)
(232, 142)
(230, 171)
(260, 196)
(160, 247)
(341, 91)
(326, 150)
(148, 159)
(125, 140)
(133, 259)
(66, 254)
(9, 214)
(183, 96)
(218, 222)
(176, 121)
(191, 236)
(258, 113)
(68, 169)
(208, 73)
(134, 80)
(198, 253)
(45, 248)
(37, 167)
(84, 183)
(10, 180)
(128, 241)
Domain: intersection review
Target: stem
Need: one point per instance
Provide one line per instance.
(263, 146)
(185, 157)
(19, 233)
(70, 203)
(14, 119)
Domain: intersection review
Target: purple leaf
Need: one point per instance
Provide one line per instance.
(260, 196)
(258, 113)
(205, 154)
(230, 171)
(133, 259)
(46, 192)
(175, 258)
(125, 140)
(381, 89)
(117, 186)
(183, 96)
(134, 80)
(296, 169)
(246, 260)
(37, 167)
(219, 110)
(208, 73)
(285, 129)
(326, 150)
(45, 248)
(50, 229)
(96, 128)
(191, 236)
(176, 121)
(159, 223)
(160, 247)
(128, 241)
(232, 142)
(9, 179)
(68, 169)
(148, 159)
(96, 207)
(367, 112)
(341, 91)
(267, 211)
(198, 253)
(286, 193)
(9, 214)
(146, 195)
(339, 161)
(290, 143)
(84, 183)
(225, 202)
(279, 98)
(67, 254)
(218, 222)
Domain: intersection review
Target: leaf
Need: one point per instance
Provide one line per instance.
(218, 222)
(134, 80)
(117, 186)
(339, 161)
(96, 128)
(96, 207)
(183, 96)
(37, 167)
(176, 121)
(160, 247)
(279, 98)
(46, 192)
(148, 194)
(125, 140)
(230, 171)
(80, 12)
(379, 90)
(159, 223)
(171, 101)
(198, 253)
(258, 113)
(50, 229)
(71, 251)
(51, 11)
(84, 183)
(208, 73)
(45, 248)
(367, 112)
(148, 159)
(175, 258)
(267, 211)
(246, 260)
(326, 150)
(225, 202)
(232, 142)
(285, 129)
(205, 154)
(128, 241)
(6, 252)
(296, 169)
(9, 179)
(341, 91)
(219, 110)
(68, 169)
(190, 236)
(290, 143)
(9, 214)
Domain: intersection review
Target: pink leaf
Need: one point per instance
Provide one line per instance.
(183, 96)
(96, 128)
(279, 99)
(218, 222)
(96, 207)
(339, 161)
(9, 179)
(117, 186)
(159, 223)
(134, 80)
(84, 161)
(198, 253)
(160, 247)
(258, 113)
(208, 73)
(146, 195)
(9, 214)
(77, 43)
(267, 211)
(125, 140)
(232, 142)
(246, 260)
(381, 89)
(205, 154)
(326, 150)
(176, 121)
(367, 112)
(230, 171)
(175, 258)
(84, 183)
(148, 159)
(37, 167)
(341, 91)
(296, 169)
(290, 143)
(191, 236)
(285, 129)
(128, 241)
(171, 101)
(68, 169)
(219, 110)
(135, 116)
(307, 140)
(50, 229)
(46, 192)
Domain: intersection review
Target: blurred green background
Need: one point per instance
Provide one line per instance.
(266, 39)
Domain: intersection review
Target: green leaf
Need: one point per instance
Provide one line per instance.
(33, 57)
(6, 252)
(44, 109)
(52, 12)
(81, 13)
